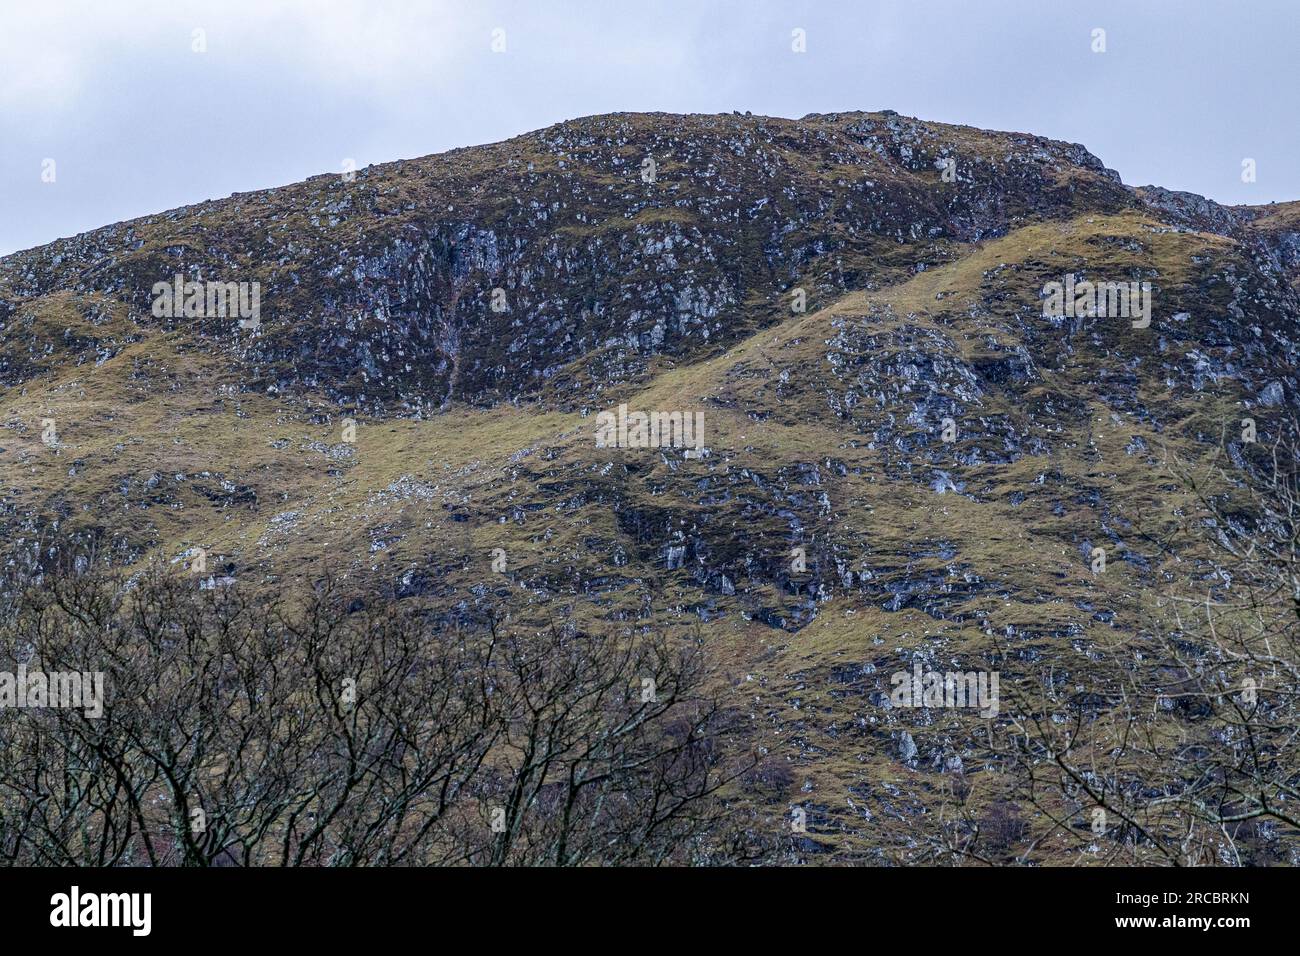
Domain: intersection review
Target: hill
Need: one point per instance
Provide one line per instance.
(905, 458)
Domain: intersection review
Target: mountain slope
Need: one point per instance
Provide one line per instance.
(829, 534)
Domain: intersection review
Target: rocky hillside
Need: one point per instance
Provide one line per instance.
(905, 458)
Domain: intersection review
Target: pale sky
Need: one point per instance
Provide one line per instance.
(138, 122)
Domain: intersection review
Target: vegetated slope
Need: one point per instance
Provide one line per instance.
(475, 424)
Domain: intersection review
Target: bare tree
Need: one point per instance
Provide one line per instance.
(261, 727)
(1179, 747)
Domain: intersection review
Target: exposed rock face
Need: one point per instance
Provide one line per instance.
(381, 289)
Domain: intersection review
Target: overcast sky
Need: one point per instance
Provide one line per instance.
(138, 122)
